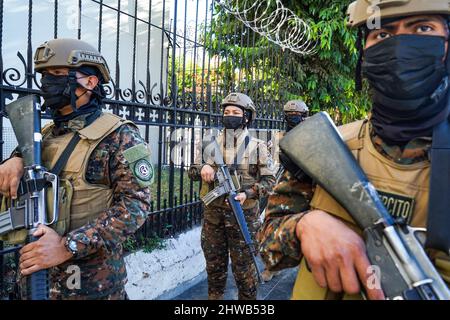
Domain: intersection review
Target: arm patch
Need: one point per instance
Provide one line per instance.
(138, 157)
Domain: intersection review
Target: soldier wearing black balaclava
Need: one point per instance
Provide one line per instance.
(104, 179)
(404, 149)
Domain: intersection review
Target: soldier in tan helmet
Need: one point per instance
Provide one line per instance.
(295, 112)
(105, 195)
(251, 164)
(405, 60)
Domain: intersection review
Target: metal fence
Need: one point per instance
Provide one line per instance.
(171, 61)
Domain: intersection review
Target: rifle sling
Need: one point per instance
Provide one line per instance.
(438, 235)
(62, 161)
(239, 154)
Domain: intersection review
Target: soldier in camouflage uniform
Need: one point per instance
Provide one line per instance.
(221, 237)
(406, 63)
(105, 195)
(295, 112)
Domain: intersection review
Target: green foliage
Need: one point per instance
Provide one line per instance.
(165, 185)
(146, 244)
(324, 80)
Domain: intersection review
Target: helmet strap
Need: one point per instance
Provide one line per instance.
(73, 84)
(247, 117)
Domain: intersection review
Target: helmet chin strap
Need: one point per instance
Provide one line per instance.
(73, 85)
(246, 119)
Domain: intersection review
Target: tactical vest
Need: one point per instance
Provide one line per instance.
(80, 201)
(247, 172)
(404, 190)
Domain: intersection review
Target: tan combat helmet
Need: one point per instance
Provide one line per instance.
(240, 100)
(296, 106)
(362, 11)
(70, 53)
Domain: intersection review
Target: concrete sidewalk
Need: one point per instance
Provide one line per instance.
(279, 288)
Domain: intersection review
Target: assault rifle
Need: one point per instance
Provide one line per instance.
(406, 271)
(227, 187)
(30, 208)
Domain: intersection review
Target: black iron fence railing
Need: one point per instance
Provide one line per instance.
(171, 61)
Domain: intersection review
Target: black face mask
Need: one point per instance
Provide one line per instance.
(231, 122)
(409, 82)
(56, 91)
(293, 121)
(406, 67)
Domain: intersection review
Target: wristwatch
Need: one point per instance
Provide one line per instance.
(72, 246)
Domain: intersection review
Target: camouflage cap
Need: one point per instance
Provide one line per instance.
(70, 53)
(296, 106)
(362, 11)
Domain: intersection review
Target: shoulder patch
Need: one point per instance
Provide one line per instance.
(139, 160)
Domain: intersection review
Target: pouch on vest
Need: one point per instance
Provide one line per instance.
(14, 237)
(65, 199)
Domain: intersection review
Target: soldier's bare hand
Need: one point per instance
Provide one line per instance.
(49, 251)
(208, 174)
(10, 174)
(336, 254)
(241, 197)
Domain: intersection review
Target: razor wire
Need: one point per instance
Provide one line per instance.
(271, 19)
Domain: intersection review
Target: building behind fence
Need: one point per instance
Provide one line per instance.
(165, 62)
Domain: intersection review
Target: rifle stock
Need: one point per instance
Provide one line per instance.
(406, 272)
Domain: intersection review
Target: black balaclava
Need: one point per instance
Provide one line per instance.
(294, 120)
(409, 83)
(59, 91)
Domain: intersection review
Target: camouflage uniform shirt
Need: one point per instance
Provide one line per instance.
(279, 245)
(99, 244)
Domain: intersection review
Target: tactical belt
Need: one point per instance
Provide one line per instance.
(438, 234)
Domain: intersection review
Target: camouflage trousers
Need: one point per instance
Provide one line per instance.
(57, 294)
(222, 239)
(118, 295)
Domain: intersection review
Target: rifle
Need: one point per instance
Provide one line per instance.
(30, 209)
(226, 187)
(406, 271)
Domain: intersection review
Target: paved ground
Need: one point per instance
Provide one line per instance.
(279, 288)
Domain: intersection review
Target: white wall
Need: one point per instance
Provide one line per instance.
(165, 273)
(15, 35)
